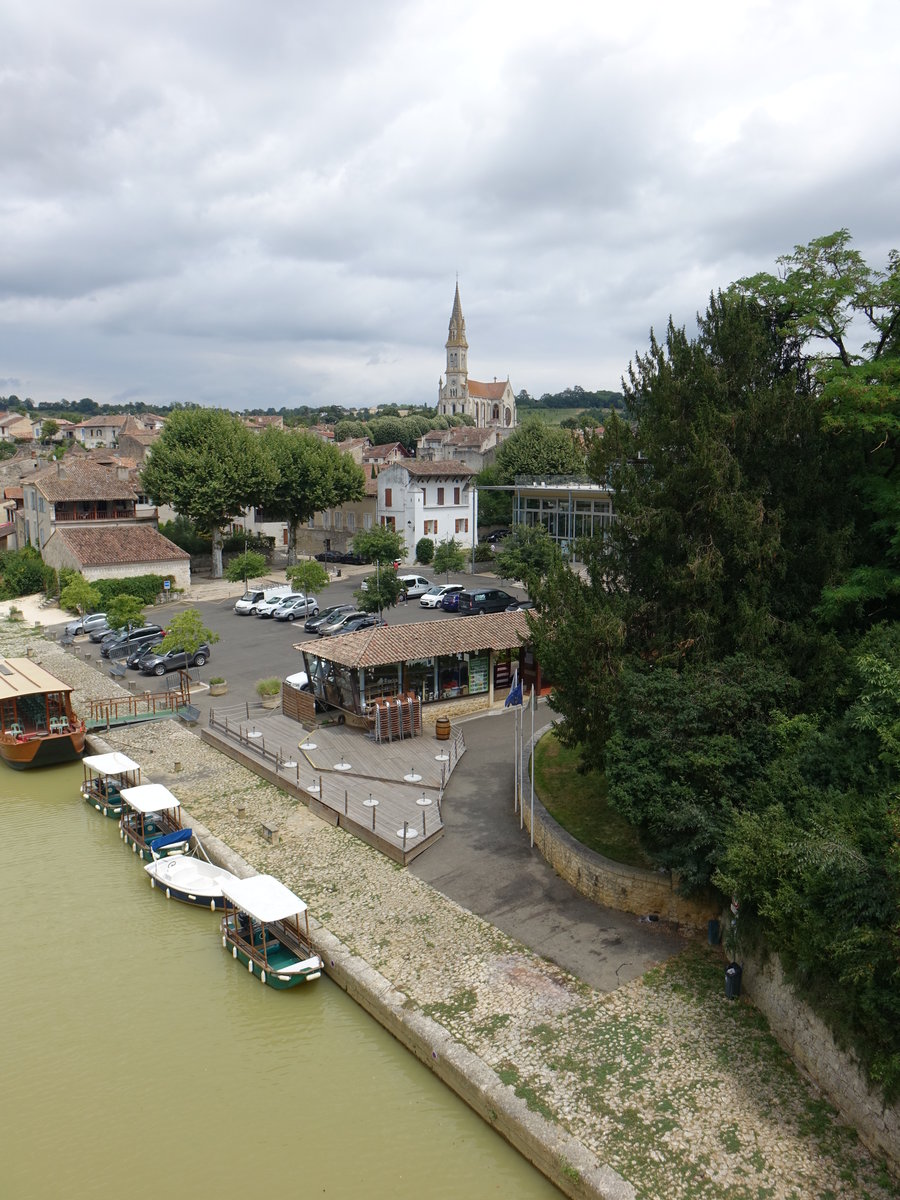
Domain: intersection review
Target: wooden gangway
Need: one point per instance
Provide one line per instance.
(145, 706)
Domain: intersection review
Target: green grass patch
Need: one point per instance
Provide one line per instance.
(578, 802)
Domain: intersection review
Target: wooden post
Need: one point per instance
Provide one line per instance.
(345, 802)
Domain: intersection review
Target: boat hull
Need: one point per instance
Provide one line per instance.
(188, 879)
(270, 975)
(44, 751)
(110, 806)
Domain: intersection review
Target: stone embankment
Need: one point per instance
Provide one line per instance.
(661, 1088)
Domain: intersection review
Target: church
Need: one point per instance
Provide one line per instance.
(490, 405)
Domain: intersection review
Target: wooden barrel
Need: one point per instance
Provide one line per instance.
(442, 729)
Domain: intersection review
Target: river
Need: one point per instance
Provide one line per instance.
(138, 1058)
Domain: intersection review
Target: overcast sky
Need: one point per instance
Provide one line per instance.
(269, 203)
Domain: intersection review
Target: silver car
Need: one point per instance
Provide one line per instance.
(292, 607)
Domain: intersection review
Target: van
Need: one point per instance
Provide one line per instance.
(246, 605)
(483, 600)
(413, 585)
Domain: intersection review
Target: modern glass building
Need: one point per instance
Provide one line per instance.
(568, 506)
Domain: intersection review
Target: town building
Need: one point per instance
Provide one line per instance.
(477, 448)
(428, 499)
(100, 430)
(118, 552)
(568, 508)
(488, 404)
(74, 492)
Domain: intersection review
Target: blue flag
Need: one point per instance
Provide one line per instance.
(515, 691)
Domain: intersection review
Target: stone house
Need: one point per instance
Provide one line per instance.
(117, 552)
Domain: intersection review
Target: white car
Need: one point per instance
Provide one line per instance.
(412, 586)
(434, 595)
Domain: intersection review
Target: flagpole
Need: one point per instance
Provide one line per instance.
(532, 764)
(516, 762)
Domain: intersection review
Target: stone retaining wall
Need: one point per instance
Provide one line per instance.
(629, 889)
(810, 1043)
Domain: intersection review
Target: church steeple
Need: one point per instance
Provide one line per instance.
(457, 352)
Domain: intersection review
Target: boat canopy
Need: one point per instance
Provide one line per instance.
(149, 797)
(24, 677)
(263, 897)
(110, 764)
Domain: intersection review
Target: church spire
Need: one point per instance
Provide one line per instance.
(457, 335)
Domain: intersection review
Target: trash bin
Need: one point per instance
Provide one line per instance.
(733, 973)
(712, 931)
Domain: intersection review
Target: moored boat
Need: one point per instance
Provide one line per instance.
(267, 928)
(151, 814)
(104, 777)
(191, 879)
(38, 726)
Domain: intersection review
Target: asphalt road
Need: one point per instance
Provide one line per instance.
(252, 648)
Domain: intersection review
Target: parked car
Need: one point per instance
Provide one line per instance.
(499, 535)
(247, 603)
(292, 607)
(299, 681)
(337, 625)
(87, 624)
(122, 644)
(173, 660)
(413, 585)
(362, 621)
(134, 658)
(518, 604)
(331, 556)
(450, 602)
(101, 632)
(434, 595)
(326, 615)
(483, 600)
(271, 600)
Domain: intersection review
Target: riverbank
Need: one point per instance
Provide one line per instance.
(680, 1092)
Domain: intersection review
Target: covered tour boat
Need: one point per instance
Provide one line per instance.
(190, 878)
(38, 726)
(267, 928)
(151, 821)
(104, 777)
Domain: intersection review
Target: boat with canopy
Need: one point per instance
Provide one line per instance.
(104, 777)
(151, 821)
(38, 726)
(267, 928)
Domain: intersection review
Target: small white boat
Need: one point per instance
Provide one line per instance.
(191, 879)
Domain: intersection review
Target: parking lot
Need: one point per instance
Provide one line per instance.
(251, 648)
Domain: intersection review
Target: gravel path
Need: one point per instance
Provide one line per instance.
(683, 1093)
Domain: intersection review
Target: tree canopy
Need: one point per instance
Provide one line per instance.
(209, 467)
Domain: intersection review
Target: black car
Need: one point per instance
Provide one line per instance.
(173, 660)
(516, 605)
(483, 600)
(326, 615)
(133, 661)
(121, 645)
(366, 621)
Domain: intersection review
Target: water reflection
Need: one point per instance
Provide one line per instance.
(138, 1057)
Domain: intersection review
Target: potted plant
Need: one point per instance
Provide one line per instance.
(217, 686)
(269, 692)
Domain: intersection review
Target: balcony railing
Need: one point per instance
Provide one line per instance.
(94, 514)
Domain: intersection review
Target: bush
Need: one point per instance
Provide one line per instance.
(268, 687)
(23, 572)
(424, 551)
(145, 587)
(184, 533)
(237, 543)
(484, 552)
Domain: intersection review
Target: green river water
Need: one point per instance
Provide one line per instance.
(140, 1061)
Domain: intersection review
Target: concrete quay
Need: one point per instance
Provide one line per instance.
(658, 1088)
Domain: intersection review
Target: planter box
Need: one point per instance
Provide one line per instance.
(270, 701)
(218, 689)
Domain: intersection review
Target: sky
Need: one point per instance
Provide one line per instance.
(270, 204)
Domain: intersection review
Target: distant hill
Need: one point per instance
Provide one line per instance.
(573, 398)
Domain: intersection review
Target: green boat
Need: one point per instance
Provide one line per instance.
(104, 777)
(266, 928)
(152, 815)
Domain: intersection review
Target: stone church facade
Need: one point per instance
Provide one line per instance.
(490, 405)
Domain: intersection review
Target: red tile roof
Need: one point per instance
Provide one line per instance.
(487, 391)
(119, 544)
(81, 479)
(386, 644)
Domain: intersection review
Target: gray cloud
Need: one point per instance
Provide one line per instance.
(270, 205)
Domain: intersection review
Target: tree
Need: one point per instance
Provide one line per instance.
(242, 567)
(534, 449)
(124, 611)
(311, 476)
(209, 466)
(424, 551)
(380, 544)
(382, 590)
(308, 577)
(49, 430)
(449, 556)
(527, 555)
(187, 632)
(78, 596)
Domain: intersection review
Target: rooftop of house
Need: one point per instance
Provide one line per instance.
(386, 644)
(448, 468)
(120, 545)
(80, 479)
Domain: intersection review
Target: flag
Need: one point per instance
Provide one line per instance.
(515, 691)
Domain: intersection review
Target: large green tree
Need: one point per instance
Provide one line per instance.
(310, 476)
(534, 448)
(209, 467)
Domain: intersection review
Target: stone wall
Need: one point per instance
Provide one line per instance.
(810, 1043)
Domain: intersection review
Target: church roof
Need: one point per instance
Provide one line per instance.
(487, 391)
(457, 335)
